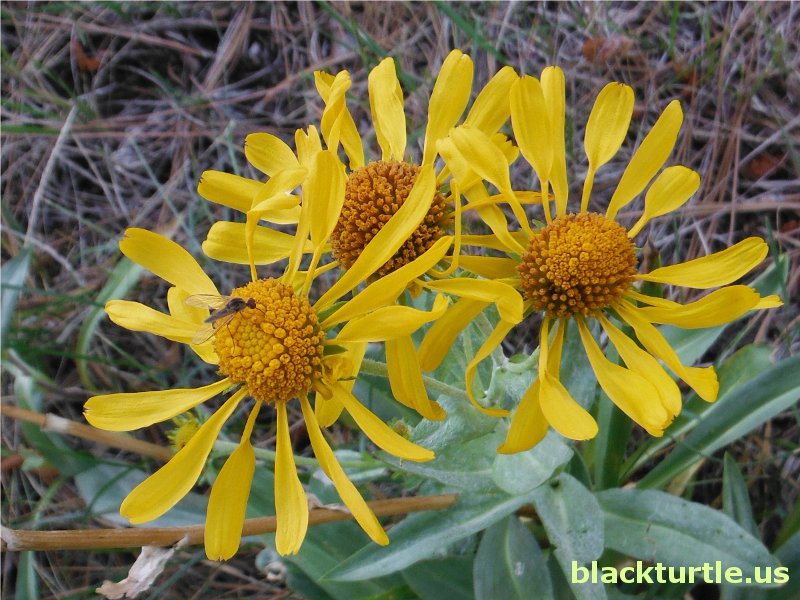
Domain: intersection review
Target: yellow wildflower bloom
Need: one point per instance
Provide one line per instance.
(392, 193)
(583, 266)
(272, 345)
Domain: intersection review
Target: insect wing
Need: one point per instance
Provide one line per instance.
(209, 328)
(207, 301)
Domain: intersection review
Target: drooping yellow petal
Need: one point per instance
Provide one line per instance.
(448, 100)
(632, 393)
(491, 110)
(528, 425)
(386, 242)
(168, 260)
(226, 242)
(505, 297)
(178, 308)
(493, 341)
(771, 301)
(227, 503)
(269, 154)
(228, 189)
(385, 290)
(701, 380)
(530, 119)
(329, 408)
(554, 88)
(648, 158)
(720, 306)
(327, 460)
(129, 411)
(405, 378)
(671, 189)
(558, 406)
(720, 268)
(275, 195)
(444, 331)
(605, 131)
(386, 104)
(491, 267)
(138, 317)
(381, 434)
(164, 488)
(291, 506)
(337, 123)
(643, 363)
(390, 322)
(308, 144)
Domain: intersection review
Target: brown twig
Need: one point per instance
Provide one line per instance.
(93, 539)
(51, 422)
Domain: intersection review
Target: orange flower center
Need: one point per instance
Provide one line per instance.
(579, 264)
(274, 347)
(373, 194)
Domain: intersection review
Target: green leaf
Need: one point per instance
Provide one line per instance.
(27, 580)
(15, 271)
(659, 527)
(449, 577)
(122, 279)
(573, 520)
(747, 363)
(422, 535)
(789, 555)
(463, 423)
(520, 473)
(732, 417)
(509, 564)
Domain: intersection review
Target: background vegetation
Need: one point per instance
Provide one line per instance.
(110, 112)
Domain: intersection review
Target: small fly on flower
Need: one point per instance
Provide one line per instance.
(223, 309)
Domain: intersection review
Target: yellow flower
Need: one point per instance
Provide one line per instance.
(391, 194)
(583, 266)
(274, 344)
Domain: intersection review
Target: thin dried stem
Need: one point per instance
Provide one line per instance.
(93, 539)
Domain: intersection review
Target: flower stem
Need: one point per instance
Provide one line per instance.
(374, 367)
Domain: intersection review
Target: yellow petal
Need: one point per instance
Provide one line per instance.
(168, 260)
(390, 322)
(491, 110)
(648, 367)
(507, 299)
(268, 153)
(771, 301)
(337, 123)
(632, 393)
(671, 189)
(385, 290)
(493, 341)
(327, 410)
(405, 378)
(720, 306)
(554, 88)
(491, 267)
(164, 488)
(125, 412)
(324, 190)
(386, 104)
(720, 268)
(530, 119)
(228, 189)
(648, 158)
(448, 100)
(327, 460)
(227, 503)
(275, 194)
(386, 242)
(178, 308)
(701, 380)
(605, 131)
(225, 242)
(528, 425)
(138, 317)
(291, 506)
(381, 434)
(307, 144)
(444, 331)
